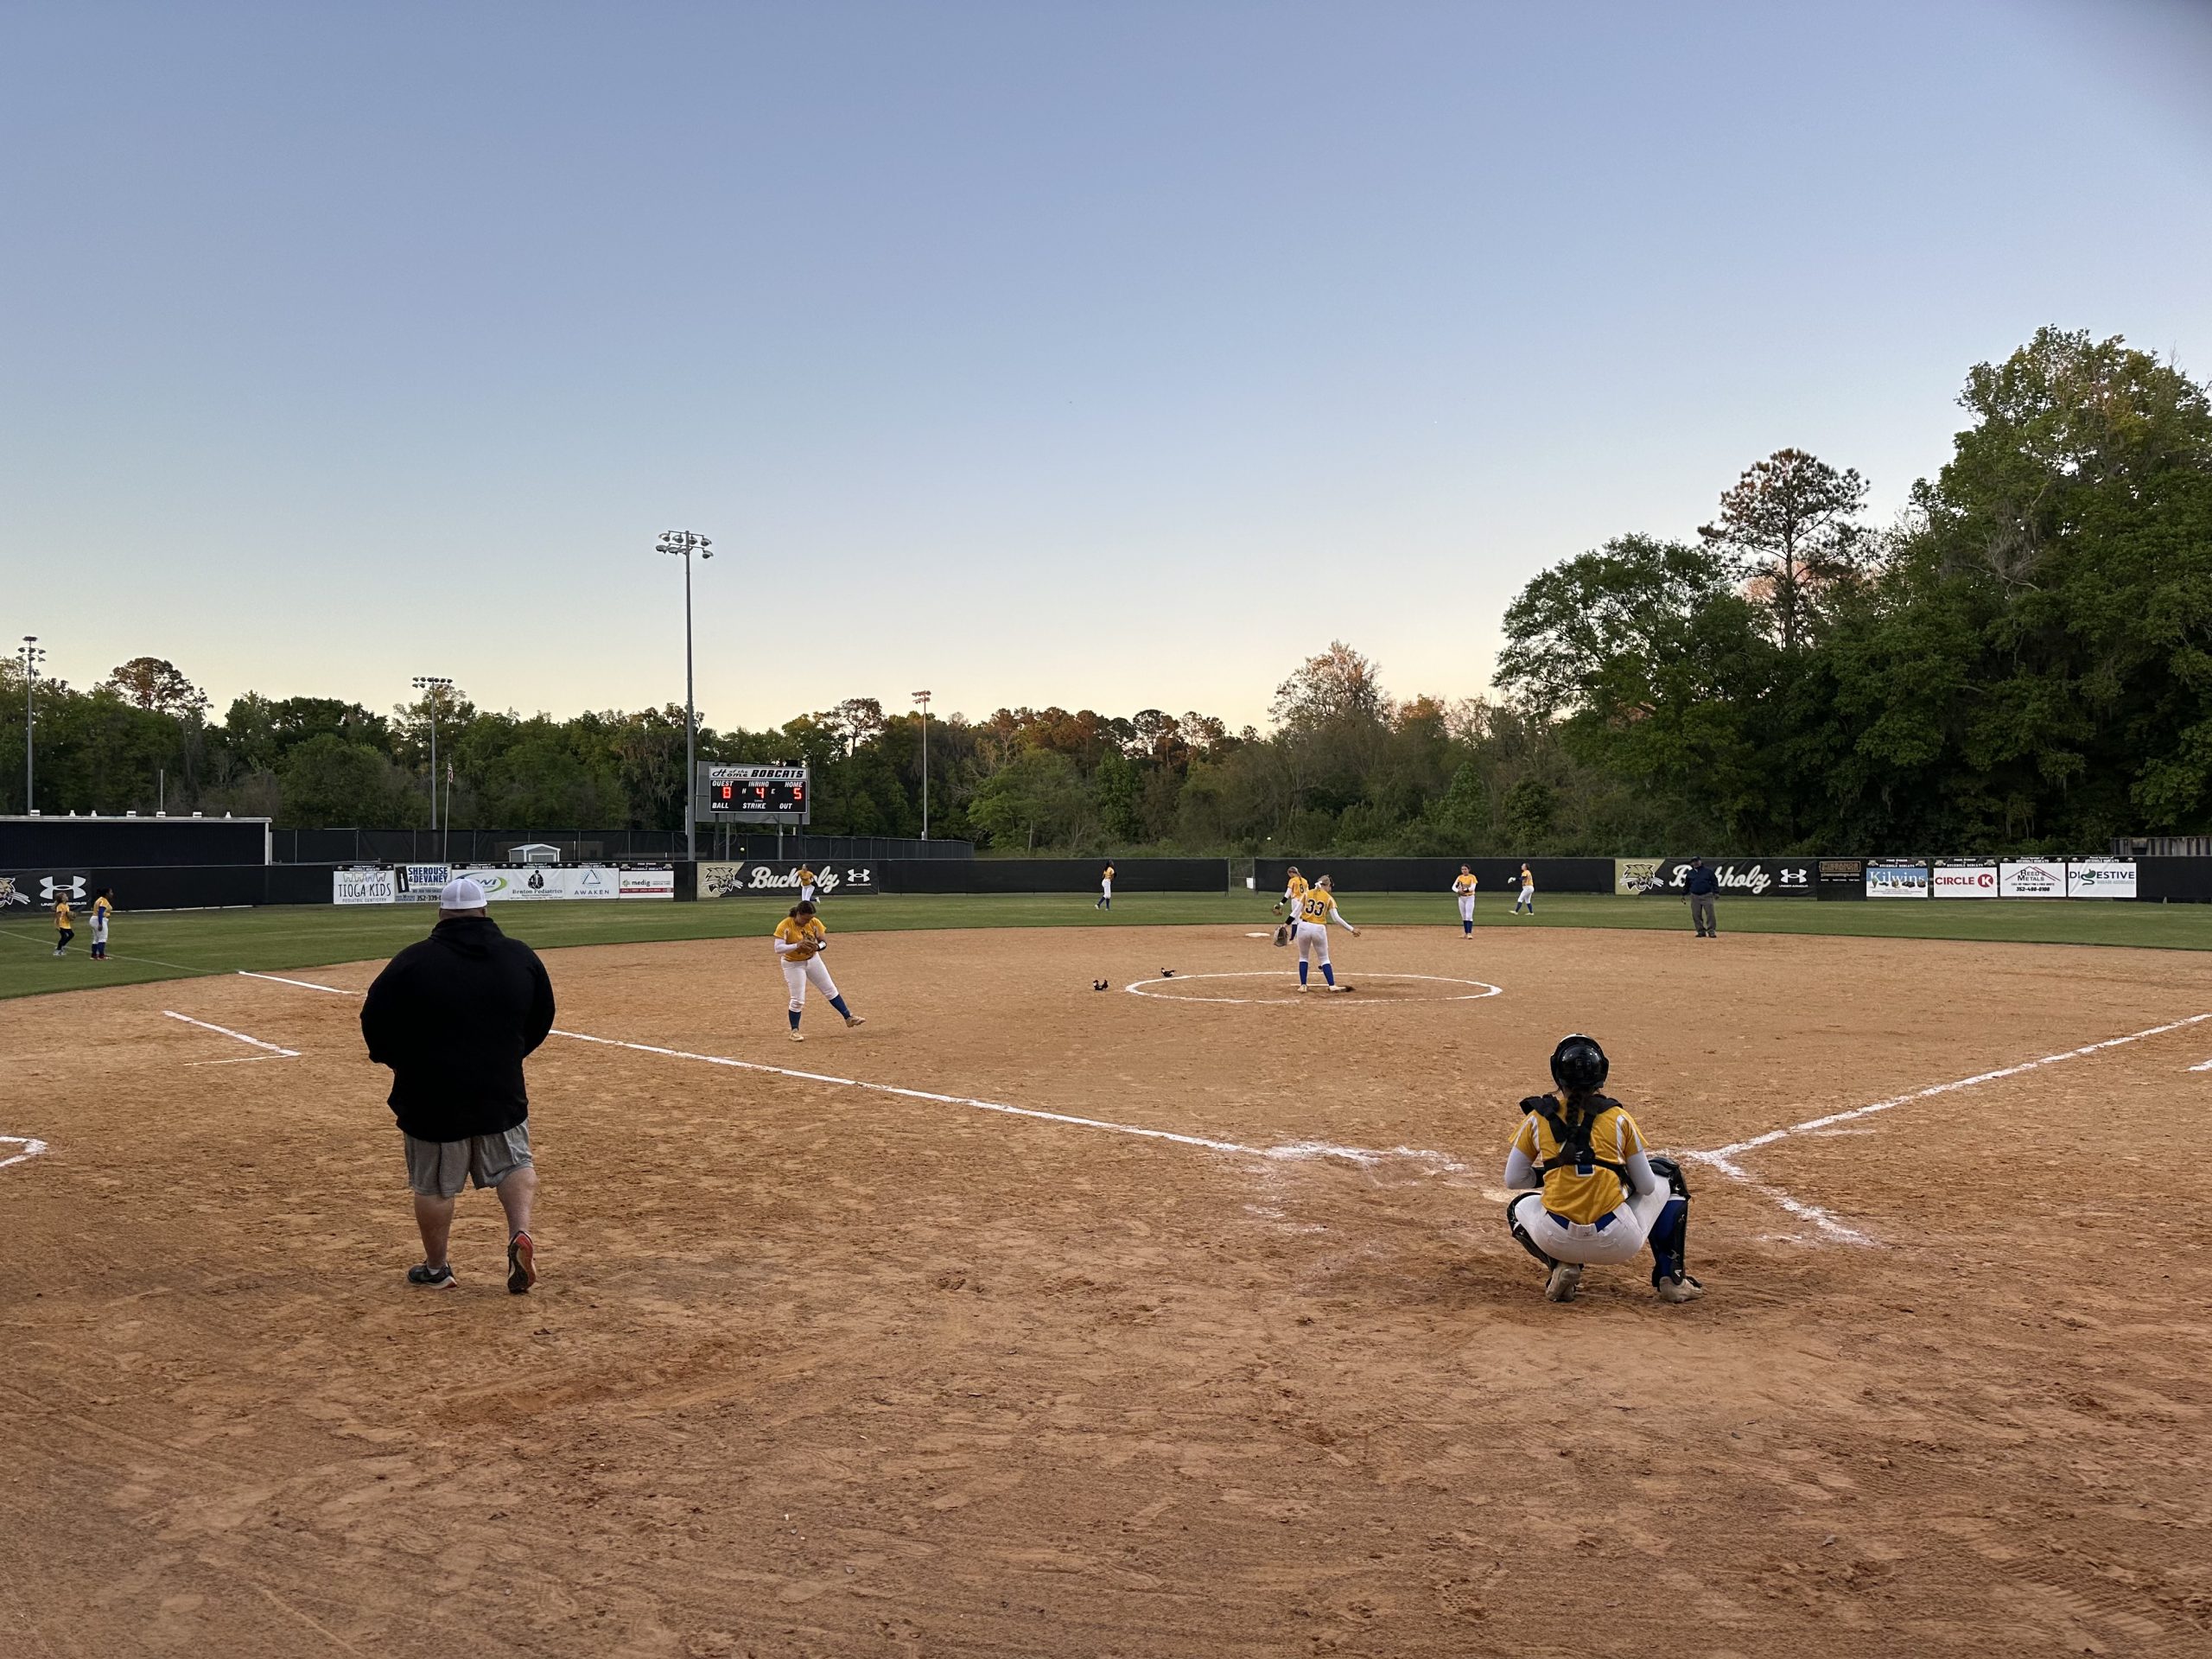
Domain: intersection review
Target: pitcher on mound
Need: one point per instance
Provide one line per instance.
(1317, 908)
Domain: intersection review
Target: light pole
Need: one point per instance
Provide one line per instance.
(32, 657)
(923, 698)
(685, 543)
(434, 686)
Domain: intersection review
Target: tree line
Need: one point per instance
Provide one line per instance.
(2021, 661)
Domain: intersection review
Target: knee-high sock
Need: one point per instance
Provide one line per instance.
(838, 1003)
(1329, 972)
(1302, 970)
(794, 1014)
(1669, 1240)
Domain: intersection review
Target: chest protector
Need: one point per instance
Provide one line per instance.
(1572, 1131)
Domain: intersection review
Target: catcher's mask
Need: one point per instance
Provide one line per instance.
(1578, 1065)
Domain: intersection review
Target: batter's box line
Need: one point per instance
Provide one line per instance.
(1723, 1159)
(1296, 1152)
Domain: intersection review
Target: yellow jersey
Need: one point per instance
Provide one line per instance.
(1465, 883)
(1295, 889)
(810, 935)
(62, 919)
(1108, 875)
(1314, 905)
(1580, 1194)
(1528, 880)
(805, 878)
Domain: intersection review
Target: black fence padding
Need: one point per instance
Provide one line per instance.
(1435, 874)
(1052, 875)
(2180, 880)
(196, 886)
(136, 843)
(577, 846)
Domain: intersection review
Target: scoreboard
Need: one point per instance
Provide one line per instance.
(755, 794)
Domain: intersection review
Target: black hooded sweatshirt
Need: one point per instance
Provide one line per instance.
(453, 1017)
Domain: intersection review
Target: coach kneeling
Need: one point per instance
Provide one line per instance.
(453, 1017)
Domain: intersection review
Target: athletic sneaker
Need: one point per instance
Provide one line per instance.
(797, 1036)
(1561, 1287)
(432, 1278)
(1340, 988)
(855, 1019)
(522, 1265)
(1684, 1289)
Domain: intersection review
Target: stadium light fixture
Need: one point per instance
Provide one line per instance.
(923, 698)
(33, 656)
(431, 685)
(684, 544)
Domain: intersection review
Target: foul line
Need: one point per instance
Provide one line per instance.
(31, 1149)
(1298, 1151)
(1723, 1159)
(1772, 1135)
(275, 1052)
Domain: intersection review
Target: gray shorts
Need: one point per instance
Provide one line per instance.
(439, 1169)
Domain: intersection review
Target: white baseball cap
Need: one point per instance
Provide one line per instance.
(461, 893)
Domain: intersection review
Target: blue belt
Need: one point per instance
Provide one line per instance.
(1600, 1224)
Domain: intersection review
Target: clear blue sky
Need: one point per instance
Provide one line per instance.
(1100, 354)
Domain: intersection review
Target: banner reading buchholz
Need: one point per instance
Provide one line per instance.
(720, 879)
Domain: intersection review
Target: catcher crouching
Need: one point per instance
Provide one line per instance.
(1601, 1197)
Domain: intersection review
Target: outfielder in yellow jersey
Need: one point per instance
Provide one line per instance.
(1463, 886)
(1317, 908)
(807, 882)
(65, 926)
(103, 908)
(1294, 889)
(1105, 889)
(800, 941)
(1528, 900)
(1601, 1196)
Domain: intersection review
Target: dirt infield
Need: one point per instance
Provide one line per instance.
(1143, 1367)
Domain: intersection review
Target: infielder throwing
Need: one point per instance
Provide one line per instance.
(1602, 1197)
(800, 941)
(1317, 908)
(1527, 901)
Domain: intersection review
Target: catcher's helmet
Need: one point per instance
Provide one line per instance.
(1578, 1065)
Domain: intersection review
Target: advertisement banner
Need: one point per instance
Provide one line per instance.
(596, 881)
(43, 889)
(731, 880)
(1964, 878)
(659, 883)
(2031, 878)
(504, 884)
(365, 886)
(2101, 878)
(1742, 877)
(419, 884)
(1635, 874)
(1893, 878)
(1839, 878)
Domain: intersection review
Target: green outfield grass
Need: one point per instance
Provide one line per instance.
(177, 944)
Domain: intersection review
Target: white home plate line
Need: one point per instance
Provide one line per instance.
(1723, 1159)
(275, 1051)
(1295, 1152)
(31, 1149)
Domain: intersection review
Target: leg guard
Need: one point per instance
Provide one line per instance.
(1513, 1225)
(1669, 1238)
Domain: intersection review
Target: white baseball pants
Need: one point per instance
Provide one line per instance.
(1312, 943)
(800, 975)
(1617, 1238)
(1466, 906)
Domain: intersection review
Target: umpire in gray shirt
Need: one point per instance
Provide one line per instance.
(452, 1016)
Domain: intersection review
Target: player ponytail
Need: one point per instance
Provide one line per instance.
(802, 909)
